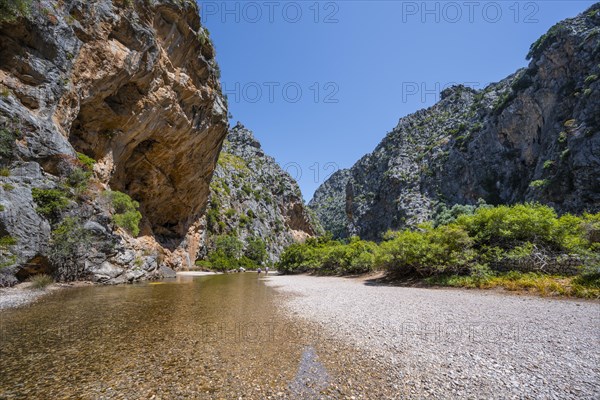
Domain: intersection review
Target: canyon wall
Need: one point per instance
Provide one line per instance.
(127, 93)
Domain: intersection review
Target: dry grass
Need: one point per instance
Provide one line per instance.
(544, 285)
(40, 281)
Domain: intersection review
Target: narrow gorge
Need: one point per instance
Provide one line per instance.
(151, 249)
(252, 198)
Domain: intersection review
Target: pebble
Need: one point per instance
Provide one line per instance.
(500, 351)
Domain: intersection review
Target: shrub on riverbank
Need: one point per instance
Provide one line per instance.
(329, 257)
(41, 281)
(472, 246)
(229, 253)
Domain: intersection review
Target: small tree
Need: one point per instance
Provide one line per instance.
(230, 246)
(50, 202)
(69, 244)
(256, 250)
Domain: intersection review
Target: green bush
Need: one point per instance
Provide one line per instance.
(465, 242)
(428, 251)
(227, 254)
(245, 220)
(549, 164)
(219, 262)
(88, 162)
(69, 243)
(227, 160)
(50, 202)
(247, 189)
(212, 219)
(503, 225)
(296, 258)
(256, 250)
(562, 137)
(204, 264)
(540, 183)
(78, 179)
(10, 10)
(126, 213)
(7, 142)
(325, 256)
(7, 257)
(130, 221)
(356, 257)
(444, 215)
(230, 246)
(7, 241)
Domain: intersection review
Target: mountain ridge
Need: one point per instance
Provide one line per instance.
(533, 136)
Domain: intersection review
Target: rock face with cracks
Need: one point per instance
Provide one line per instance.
(252, 197)
(133, 85)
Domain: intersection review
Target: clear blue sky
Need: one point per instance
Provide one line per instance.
(373, 62)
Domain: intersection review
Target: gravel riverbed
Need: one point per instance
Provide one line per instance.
(19, 295)
(446, 343)
(22, 294)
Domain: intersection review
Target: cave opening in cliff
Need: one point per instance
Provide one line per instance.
(162, 163)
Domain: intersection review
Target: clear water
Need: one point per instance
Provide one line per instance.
(217, 336)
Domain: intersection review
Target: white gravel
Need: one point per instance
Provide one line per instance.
(22, 294)
(442, 343)
(18, 296)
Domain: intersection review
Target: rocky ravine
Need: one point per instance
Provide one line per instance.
(252, 197)
(133, 85)
(535, 136)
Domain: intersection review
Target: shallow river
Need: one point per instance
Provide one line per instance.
(219, 336)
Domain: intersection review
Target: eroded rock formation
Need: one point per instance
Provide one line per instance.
(133, 85)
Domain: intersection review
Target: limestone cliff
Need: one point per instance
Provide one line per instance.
(133, 85)
(535, 136)
(253, 198)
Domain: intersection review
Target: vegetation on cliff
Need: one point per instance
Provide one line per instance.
(255, 204)
(87, 145)
(471, 246)
(10, 10)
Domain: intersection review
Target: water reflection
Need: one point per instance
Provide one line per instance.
(192, 337)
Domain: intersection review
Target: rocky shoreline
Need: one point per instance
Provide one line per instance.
(449, 343)
(23, 294)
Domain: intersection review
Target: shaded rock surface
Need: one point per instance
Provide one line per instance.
(253, 197)
(131, 84)
(534, 136)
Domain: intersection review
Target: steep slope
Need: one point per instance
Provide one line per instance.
(253, 198)
(535, 136)
(133, 85)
